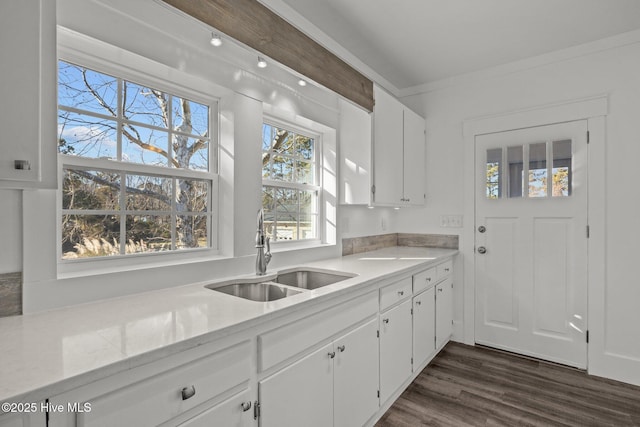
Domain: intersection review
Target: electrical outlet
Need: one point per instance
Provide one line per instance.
(451, 221)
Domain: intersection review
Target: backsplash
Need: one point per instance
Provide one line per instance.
(10, 294)
(356, 245)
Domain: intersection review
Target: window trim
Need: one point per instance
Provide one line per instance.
(140, 74)
(318, 187)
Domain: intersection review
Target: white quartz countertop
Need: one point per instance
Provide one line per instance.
(71, 346)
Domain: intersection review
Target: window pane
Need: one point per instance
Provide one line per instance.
(143, 145)
(190, 117)
(515, 162)
(268, 133)
(304, 147)
(308, 203)
(145, 105)
(192, 153)
(307, 226)
(87, 90)
(148, 233)
(85, 189)
(193, 195)
(283, 142)
(86, 136)
(287, 226)
(562, 168)
(538, 170)
(148, 193)
(85, 236)
(304, 172)
(282, 169)
(286, 200)
(494, 160)
(191, 231)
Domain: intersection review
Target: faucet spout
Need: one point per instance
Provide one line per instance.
(262, 259)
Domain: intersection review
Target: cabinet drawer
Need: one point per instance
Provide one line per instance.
(395, 292)
(424, 280)
(280, 344)
(158, 399)
(445, 269)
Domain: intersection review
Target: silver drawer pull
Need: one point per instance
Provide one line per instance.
(245, 406)
(188, 392)
(332, 354)
(400, 293)
(428, 279)
(418, 302)
(439, 289)
(385, 320)
(341, 348)
(446, 269)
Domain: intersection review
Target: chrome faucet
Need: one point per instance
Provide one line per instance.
(263, 258)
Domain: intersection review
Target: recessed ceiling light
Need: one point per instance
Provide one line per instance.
(216, 40)
(302, 82)
(261, 62)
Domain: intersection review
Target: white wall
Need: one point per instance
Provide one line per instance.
(149, 30)
(614, 71)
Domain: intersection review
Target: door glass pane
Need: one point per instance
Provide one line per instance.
(494, 160)
(561, 168)
(514, 160)
(538, 170)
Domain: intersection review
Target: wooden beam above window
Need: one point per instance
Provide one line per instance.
(253, 24)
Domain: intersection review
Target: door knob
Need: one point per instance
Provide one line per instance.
(482, 250)
(482, 229)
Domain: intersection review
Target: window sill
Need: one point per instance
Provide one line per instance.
(67, 270)
(278, 247)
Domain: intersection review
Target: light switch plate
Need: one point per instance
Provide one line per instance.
(451, 221)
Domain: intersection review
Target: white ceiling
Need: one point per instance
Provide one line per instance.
(415, 42)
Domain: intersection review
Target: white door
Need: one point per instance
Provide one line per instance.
(300, 394)
(395, 349)
(424, 326)
(355, 375)
(531, 241)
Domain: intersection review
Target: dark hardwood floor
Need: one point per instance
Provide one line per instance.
(475, 386)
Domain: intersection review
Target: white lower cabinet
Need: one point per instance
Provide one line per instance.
(444, 311)
(165, 392)
(395, 348)
(424, 326)
(335, 385)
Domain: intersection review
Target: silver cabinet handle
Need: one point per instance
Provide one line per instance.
(385, 320)
(439, 289)
(428, 279)
(188, 392)
(341, 348)
(332, 354)
(418, 302)
(400, 293)
(446, 269)
(245, 406)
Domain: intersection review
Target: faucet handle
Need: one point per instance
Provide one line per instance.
(267, 255)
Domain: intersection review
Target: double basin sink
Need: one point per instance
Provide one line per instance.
(284, 284)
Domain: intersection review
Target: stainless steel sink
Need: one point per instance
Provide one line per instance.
(305, 278)
(262, 292)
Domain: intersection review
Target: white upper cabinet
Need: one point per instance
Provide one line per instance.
(398, 153)
(28, 94)
(355, 154)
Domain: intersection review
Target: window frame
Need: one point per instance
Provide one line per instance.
(186, 88)
(317, 187)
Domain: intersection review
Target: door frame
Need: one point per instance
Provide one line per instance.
(593, 109)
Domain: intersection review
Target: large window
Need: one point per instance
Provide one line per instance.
(138, 166)
(291, 185)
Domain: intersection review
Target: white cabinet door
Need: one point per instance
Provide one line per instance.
(395, 348)
(355, 154)
(301, 394)
(229, 413)
(414, 158)
(28, 93)
(424, 326)
(356, 376)
(387, 149)
(444, 312)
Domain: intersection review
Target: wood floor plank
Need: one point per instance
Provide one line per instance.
(477, 386)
